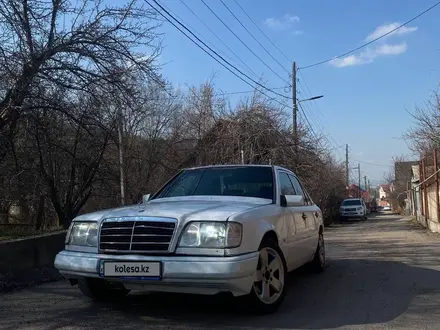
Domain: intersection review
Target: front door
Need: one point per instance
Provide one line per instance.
(308, 214)
(295, 251)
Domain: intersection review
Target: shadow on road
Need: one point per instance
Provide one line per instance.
(350, 292)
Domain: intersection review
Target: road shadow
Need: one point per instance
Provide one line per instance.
(350, 292)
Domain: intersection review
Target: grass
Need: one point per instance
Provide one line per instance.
(23, 232)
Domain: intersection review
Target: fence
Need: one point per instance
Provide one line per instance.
(424, 194)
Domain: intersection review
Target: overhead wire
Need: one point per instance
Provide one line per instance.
(374, 164)
(308, 123)
(317, 120)
(262, 32)
(249, 91)
(318, 111)
(372, 41)
(213, 51)
(253, 37)
(218, 38)
(242, 42)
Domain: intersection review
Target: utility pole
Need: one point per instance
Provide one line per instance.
(365, 181)
(295, 112)
(359, 176)
(347, 171)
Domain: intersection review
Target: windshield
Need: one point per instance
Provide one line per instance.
(351, 202)
(221, 181)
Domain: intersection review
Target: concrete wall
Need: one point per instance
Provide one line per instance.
(431, 221)
(29, 253)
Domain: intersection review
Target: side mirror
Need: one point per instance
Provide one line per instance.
(292, 200)
(145, 198)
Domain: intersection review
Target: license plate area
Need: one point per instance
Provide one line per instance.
(135, 270)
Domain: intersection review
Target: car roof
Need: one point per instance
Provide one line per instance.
(240, 165)
(352, 199)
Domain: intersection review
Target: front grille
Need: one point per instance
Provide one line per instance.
(136, 236)
(350, 210)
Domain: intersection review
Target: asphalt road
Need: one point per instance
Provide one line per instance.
(383, 274)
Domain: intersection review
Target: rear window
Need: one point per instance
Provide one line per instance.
(351, 202)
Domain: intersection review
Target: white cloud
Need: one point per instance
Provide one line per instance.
(385, 28)
(382, 49)
(297, 32)
(284, 23)
(370, 54)
(387, 49)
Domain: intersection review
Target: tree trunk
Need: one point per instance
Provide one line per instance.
(40, 214)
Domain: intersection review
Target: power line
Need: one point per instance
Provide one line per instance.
(264, 34)
(253, 37)
(307, 120)
(381, 165)
(247, 92)
(213, 51)
(374, 40)
(244, 44)
(220, 39)
(318, 110)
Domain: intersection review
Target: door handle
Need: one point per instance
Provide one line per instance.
(304, 216)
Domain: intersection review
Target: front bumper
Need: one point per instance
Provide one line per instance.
(351, 214)
(182, 274)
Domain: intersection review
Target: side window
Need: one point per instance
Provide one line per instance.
(299, 189)
(286, 186)
(308, 198)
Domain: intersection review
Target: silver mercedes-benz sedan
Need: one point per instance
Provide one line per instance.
(212, 229)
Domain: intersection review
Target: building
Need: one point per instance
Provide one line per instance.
(384, 191)
(355, 191)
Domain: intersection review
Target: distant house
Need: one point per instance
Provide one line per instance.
(384, 191)
(355, 191)
(403, 175)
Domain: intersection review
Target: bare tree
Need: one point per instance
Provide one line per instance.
(77, 45)
(424, 135)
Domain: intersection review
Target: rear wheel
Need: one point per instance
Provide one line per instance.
(269, 286)
(318, 263)
(101, 290)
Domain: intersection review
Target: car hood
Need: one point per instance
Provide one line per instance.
(192, 208)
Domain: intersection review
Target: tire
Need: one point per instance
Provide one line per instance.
(273, 279)
(317, 265)
(101, 290)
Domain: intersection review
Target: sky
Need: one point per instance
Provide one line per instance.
(368, 95)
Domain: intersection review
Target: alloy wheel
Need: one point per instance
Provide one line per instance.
(269, 277)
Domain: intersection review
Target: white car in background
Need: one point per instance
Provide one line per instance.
(386, 208)
(353, 208)
(237, 228)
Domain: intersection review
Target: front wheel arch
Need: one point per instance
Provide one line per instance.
(270, 235)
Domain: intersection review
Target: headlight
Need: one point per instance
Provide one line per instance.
(83, 234)
(211, 235)
(359, 208)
